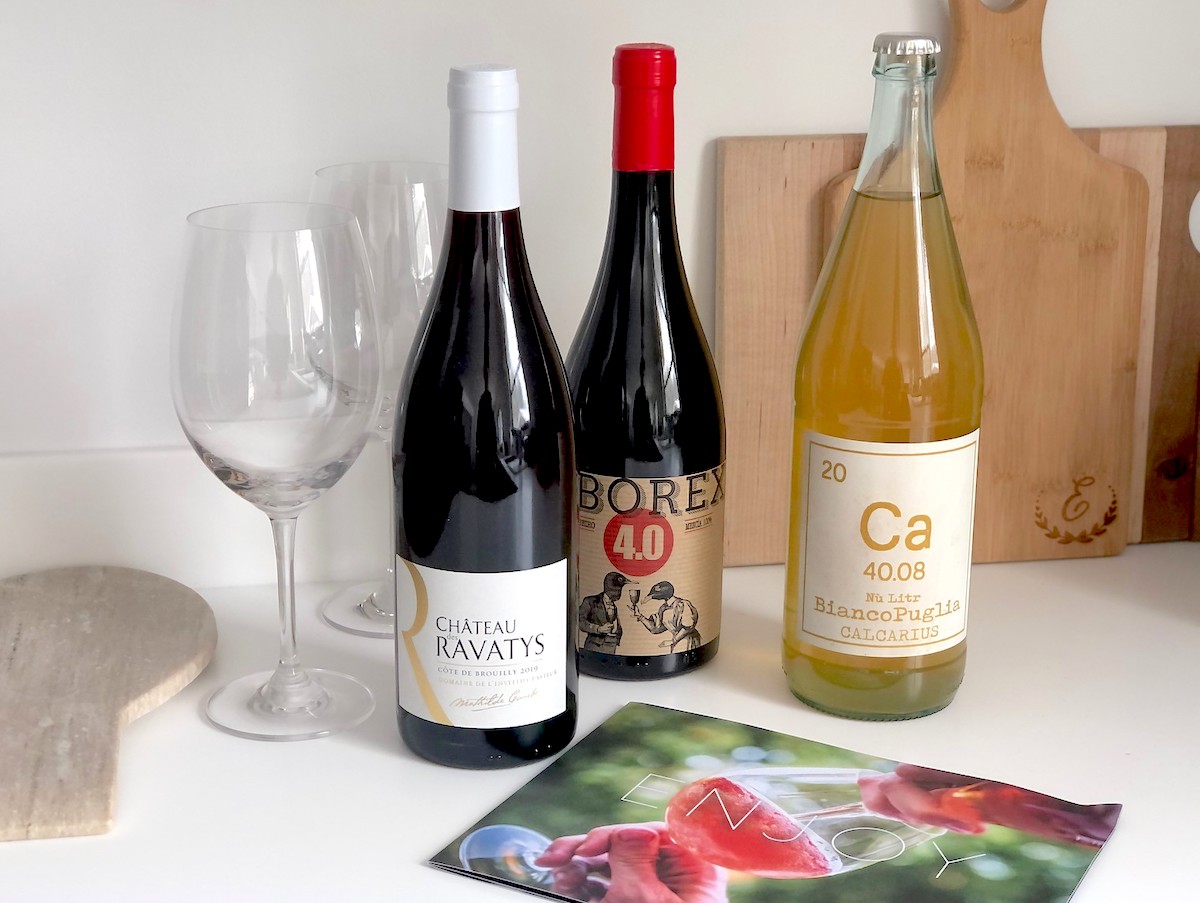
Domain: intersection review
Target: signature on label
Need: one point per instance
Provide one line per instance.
(493, 700)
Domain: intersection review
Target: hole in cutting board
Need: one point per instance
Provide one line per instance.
(999, 5)
(1194, 222)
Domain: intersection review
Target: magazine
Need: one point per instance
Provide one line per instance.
(661, 804)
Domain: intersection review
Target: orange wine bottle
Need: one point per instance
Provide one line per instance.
(889, 385)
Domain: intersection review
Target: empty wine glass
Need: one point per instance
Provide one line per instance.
(401, 207)
(275, 377)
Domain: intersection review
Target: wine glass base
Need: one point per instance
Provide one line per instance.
(355, 610)
(237, 708)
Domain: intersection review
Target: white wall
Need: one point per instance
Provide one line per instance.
(119, 117)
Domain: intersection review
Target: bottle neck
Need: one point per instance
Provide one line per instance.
(899, 157)
(500, 228)
(642, 213)
(483, 161)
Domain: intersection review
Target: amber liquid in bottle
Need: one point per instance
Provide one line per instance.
(890, 354)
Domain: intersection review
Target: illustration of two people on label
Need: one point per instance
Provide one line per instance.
(600, 620)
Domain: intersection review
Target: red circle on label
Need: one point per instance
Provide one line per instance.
(638, 542)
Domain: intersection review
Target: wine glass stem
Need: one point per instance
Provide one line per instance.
(284, 531)
(291, 688)
(846, 809)
(385, 607)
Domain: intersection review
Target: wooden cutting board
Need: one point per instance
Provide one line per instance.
(85, 651)
(1172, 491)
(1054, 264)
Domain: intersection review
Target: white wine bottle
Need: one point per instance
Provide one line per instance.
(889, 386)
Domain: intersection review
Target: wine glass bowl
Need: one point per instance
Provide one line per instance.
(401, 207)
(275, 379)
(506, 851)
(787, 822)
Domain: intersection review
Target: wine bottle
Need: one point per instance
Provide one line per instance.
(486, 659)
(649, 428)
(889, 386)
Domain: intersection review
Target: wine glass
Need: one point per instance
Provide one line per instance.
(275, 378)
(787, 822)
(401, 207)
(769, 822)
(508, 852)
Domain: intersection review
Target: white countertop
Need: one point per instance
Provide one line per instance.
(1080, 684)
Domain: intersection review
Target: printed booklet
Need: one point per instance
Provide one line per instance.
(657, 801)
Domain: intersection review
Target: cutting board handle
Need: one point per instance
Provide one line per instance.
(1015, 90)
(1029, 12)
(58, 785)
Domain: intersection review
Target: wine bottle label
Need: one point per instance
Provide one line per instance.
(481, 650)
(885, 544)
(649, 562)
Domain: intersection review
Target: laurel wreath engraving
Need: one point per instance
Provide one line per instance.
(1065, 537)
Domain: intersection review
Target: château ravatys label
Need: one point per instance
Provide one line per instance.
(481, 650)
(649, 562)
(885, 541)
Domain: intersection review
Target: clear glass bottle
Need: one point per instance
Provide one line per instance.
(889, 386)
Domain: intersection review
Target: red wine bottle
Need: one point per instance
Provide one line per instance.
(649, 427)
(483, 465)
